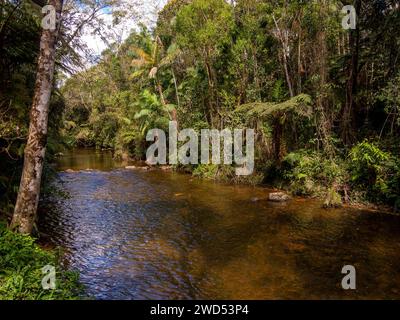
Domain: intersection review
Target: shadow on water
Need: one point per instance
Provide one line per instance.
(158, 235)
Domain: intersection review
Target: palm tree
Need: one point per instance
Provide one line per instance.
(149, 64)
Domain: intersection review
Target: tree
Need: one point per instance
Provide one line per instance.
(211, 57)
(151, 113)
(203, 28)
(349, 106)
(151, 63)
(29, 190)
(277, 114)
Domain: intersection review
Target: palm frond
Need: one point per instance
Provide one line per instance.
(136, 74)
(173, 53)
(300, 105)
(170, 107)
(143, 58)
(142, 113)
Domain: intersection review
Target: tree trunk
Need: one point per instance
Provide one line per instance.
(28, 195)
(176, 88)
(210, 92)
(349, 109)
(285, 49)
(277, 134)
(173, 113)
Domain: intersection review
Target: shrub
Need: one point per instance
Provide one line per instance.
(83, 136)
(21, 261)
(208, 172)
(214, 172)
(310, 173)
(225, 173)
(332, 199)
(367, 163)
(375, 171)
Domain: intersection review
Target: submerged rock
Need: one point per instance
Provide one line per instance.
(166, 168)
(278, 197)
(137, 168)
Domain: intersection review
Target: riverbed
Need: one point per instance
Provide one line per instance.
(134, 234)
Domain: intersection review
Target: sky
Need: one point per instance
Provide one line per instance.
(147, 11)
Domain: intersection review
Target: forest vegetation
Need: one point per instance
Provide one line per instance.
(324, 101)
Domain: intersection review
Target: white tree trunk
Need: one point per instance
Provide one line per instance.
(28, 195)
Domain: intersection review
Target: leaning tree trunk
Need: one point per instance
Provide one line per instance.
(28, 195)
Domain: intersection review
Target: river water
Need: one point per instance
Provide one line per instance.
(134, 234)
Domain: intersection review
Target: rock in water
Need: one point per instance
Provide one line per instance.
(137, 168)
(166, 168)
(278, 197)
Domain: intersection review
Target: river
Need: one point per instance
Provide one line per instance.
(134, 234)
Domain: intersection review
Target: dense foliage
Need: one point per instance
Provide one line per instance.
(21, 263)
(323, 100)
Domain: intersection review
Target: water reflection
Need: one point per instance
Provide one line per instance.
(159, 235)
(87, 158)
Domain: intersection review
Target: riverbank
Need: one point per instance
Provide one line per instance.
(21, 263)
(303, 175)
(223, 174)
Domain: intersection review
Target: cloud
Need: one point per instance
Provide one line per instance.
(137, 12)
